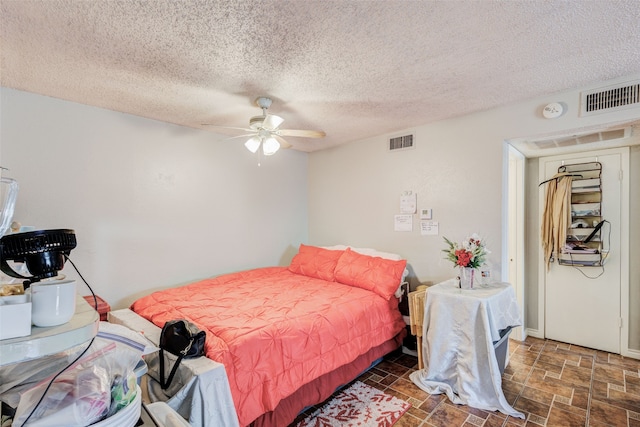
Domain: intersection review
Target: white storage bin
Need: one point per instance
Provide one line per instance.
(501, 348)
(126, 417)
(165, 416)
(15, 316)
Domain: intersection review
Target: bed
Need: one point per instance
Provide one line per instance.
(289, 336)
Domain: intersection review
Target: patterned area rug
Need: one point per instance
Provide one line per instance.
(359, 405)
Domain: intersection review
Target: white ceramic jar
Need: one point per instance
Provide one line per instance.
(53, 303)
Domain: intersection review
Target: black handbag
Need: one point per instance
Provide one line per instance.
(180, 338)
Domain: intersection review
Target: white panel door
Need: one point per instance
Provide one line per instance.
(582, 304)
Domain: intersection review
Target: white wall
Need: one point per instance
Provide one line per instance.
(153, 205)
(457, 170)
(355, 192)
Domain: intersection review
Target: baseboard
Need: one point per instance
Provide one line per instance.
(633, 354)
(535, 333)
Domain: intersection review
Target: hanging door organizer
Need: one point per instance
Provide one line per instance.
(584, 244)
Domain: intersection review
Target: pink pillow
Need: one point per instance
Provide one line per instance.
(376, 274)
(315, 262)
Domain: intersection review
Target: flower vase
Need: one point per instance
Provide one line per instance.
(468, 277)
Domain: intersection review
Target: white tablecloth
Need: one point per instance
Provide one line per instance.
(200, 389)
(459, 329)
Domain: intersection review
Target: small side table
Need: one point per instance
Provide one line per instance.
(103, 306)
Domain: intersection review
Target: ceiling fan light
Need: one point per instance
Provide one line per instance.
(270, 146)
(253, 144)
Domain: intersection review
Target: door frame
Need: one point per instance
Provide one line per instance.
(513, 254)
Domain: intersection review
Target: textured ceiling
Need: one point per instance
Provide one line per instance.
(354, 69)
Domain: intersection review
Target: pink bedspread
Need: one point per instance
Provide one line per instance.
(275, 330)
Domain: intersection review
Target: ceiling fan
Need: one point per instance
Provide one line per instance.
(265, 131)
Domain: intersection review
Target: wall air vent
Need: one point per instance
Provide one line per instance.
(401, 142)
(579, 141)
(573, 140)
(611, 98)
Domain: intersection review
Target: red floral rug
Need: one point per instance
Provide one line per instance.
(359, 405)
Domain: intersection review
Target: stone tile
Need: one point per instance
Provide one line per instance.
(524, 404)
(407, 361)
(511, 397)
(409, 388)
(552, 359)
(587, 362)
(600, 389)
(432, 403)
(540, 381)
(494, 420)
(631, 364)
(539, 396)
(391, 368)
(398, 394)
(594, 423)
(580, 399)
(536, 420)
(549, 381)
(388, 380)
(525, 358)
(607, 414)
(582, 350)
(417, 412)
(408, 420)
(608, 373)
(549, 367)
(512, 386)
(577, 376)
(474, 421)
(376, 371)
(624, 400)
(632, 384)
(447, 415)
(374, 384)
(558, 417)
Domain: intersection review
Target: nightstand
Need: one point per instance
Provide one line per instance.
(103, 306)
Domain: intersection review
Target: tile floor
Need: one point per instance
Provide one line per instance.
(552, 383)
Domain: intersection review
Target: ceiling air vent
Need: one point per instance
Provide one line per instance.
(401, 142)
(611, 98)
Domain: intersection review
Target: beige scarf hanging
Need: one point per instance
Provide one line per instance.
(557, 215)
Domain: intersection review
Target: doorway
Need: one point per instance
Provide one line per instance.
(584, 305)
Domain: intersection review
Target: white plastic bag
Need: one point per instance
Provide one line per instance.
(77, 398)
(101, 383)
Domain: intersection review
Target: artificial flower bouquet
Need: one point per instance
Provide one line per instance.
(471, 253)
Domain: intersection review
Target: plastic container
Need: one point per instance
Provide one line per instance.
(127, 417)
(501, 346)
(15, 316)
(140, 370)
(9, 204)
(165, 416)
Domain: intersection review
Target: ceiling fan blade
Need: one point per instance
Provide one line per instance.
(271, 122)
(227, 127)
(283, 143)
(302, 133)
(241, 136)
